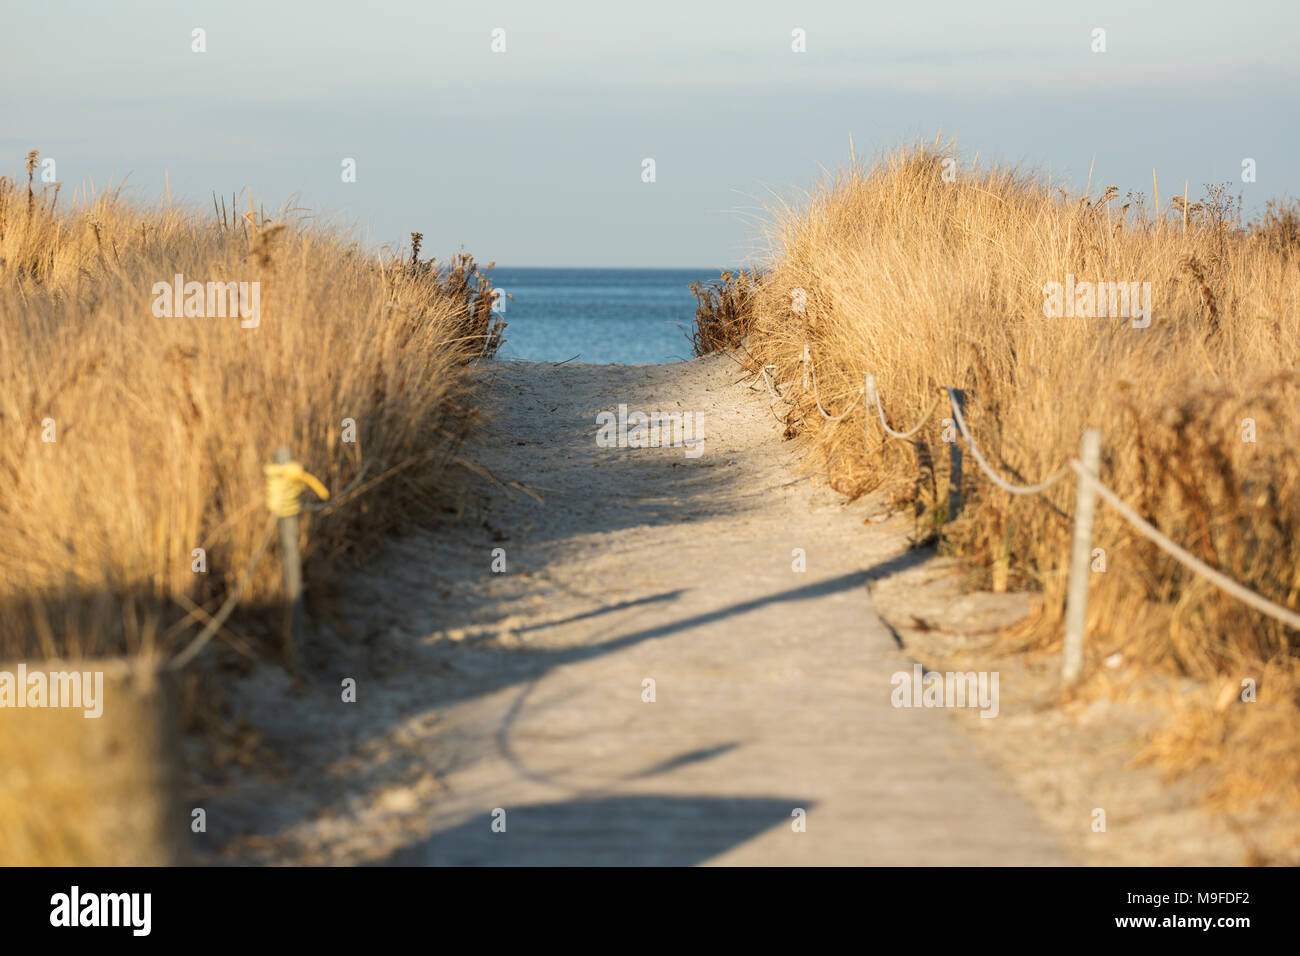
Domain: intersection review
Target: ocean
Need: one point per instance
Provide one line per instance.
(606, 316)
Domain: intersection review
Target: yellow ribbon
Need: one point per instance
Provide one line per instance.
(284, 484)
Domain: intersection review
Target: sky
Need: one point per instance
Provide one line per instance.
(534, 156)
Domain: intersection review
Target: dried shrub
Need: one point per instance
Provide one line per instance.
(724, 311)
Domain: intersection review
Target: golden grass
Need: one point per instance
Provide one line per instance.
(162, 425)
(928, 283)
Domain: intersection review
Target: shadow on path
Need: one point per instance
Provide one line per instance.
(649, 830)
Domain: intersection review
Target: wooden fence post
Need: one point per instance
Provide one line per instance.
(954, 458)
(1076, 601)
(293, 609)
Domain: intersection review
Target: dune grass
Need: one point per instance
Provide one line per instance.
(892, 269)
(129, 440)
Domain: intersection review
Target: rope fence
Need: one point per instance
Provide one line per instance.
(286, 479)
(1089, 489)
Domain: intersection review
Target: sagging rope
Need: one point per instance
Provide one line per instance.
(993, 476)
(868, 393)
(1149, 531)
(825, 414)
(1216, 577)
(873, 394)
(774, 393)
(810, 373)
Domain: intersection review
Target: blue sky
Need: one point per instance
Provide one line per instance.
(532, 157)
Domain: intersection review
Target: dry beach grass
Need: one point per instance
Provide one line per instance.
(161, 426)
(927, 280)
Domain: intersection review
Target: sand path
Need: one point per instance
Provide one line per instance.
(524, 691)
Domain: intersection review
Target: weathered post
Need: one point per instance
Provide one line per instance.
(1076, 600)
(293, 610)
(954, 456)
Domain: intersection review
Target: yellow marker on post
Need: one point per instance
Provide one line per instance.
(284, 484)
(285, 480)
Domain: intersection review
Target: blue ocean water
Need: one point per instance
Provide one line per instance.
(608, 316)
